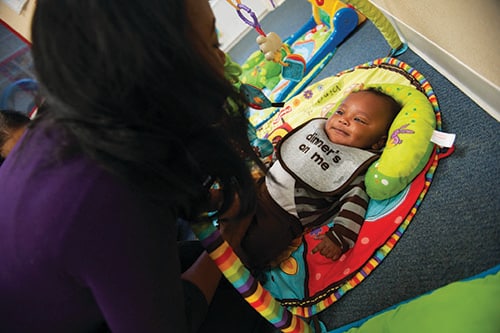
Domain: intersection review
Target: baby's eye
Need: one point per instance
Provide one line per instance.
(339, 112)
(362, 121)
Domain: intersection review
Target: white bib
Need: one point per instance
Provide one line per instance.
(314, 160)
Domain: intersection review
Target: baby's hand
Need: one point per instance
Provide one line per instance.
(327, 248)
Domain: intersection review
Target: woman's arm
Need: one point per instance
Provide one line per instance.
(205, 274)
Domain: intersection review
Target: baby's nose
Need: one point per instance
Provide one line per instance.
(344, 121)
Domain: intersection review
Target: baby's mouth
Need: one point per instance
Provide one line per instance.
(341, 132)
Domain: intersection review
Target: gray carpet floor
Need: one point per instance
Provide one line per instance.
(15, 64)
(456, 231)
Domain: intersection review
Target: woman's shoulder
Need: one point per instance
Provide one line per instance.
(41, 179)
(73, 198)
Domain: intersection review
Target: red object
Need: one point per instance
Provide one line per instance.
(15, 32)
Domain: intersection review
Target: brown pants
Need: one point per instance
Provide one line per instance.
(270, 233)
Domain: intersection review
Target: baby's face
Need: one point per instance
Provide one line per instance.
(361, 121)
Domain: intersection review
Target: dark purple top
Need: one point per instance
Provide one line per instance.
(79, 249)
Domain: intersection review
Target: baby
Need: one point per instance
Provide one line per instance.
(317, 177)
(12, 126)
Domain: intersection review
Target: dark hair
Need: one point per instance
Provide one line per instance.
(124, 82)
(394, 106)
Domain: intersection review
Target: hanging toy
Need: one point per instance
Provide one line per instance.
(256, 98)
(293, 65)
(262, 147)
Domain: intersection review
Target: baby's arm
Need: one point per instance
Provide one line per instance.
(347, 223)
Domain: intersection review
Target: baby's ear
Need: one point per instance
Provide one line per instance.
(380, 143)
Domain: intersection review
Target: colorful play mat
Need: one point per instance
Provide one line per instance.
(306, 284)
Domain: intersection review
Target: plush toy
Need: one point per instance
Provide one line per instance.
(293, 65)
(409, 144)
(259, 72)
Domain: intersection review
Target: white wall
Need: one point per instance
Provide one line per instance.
(20, 23)
(460, 38)
(232, 29)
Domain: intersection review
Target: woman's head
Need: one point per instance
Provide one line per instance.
(140, 88)
(202, 33)
(363, 119)
(104, 52)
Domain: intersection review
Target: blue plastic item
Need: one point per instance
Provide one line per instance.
(10, 90)
(345, 21)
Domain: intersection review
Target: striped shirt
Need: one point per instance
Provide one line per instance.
(346, 209)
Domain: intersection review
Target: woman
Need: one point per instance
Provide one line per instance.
(133, 128)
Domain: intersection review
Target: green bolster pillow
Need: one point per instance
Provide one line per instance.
(408, 146)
